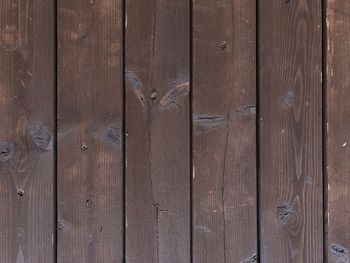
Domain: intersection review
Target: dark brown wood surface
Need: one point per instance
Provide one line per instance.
(290, 73)
(224, 134)
(27, 88)
(90, 151)
(235, 121)
(157, 131)
(338, 135)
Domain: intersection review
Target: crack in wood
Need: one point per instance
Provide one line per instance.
(7, 151)
(246, 110)
(251, 259)
(156, 215)
(340, 253)
(206, 123)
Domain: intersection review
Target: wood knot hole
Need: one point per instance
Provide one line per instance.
(284, 213)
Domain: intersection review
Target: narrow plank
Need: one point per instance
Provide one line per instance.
(338, 151)
(27, 88)
(158, 131)
(224, 138)
(90, 109)
(290, 73)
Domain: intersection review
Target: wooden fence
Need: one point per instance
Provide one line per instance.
(174, 131)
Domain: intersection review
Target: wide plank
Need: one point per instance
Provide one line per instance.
(338, 127)
(157, 75)
(90, 219)
(290, 131)
(27, 131)
(224, 132)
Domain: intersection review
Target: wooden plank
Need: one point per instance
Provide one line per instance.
(90, 152)
(338, 151)
(27, 134)
(224, 138)
(291, 131)
(158, 131)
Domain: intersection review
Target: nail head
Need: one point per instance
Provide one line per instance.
(224, 44)
(20, 191)
(153, 95)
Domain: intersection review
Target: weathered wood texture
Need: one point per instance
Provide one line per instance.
(158, 131)
(290, 72)
(27, 80)
(224, 134)
(338, 136)
(90, 161)
(149, 217)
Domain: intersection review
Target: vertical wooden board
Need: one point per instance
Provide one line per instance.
(290, 71)
(27, 88)
(337, 151)
(90, 103)
(158, 131)
(224, 133)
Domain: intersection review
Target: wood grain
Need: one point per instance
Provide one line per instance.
(27, 88)
(224, 132)
(338, 126)
(90, 109)
(158, 131)
(290, 73)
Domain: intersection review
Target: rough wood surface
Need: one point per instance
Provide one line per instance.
(224, 133)
(158, 131)
(27, 88)
(291, 131)
(90, 164)
(175, 205)
(338, 136)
